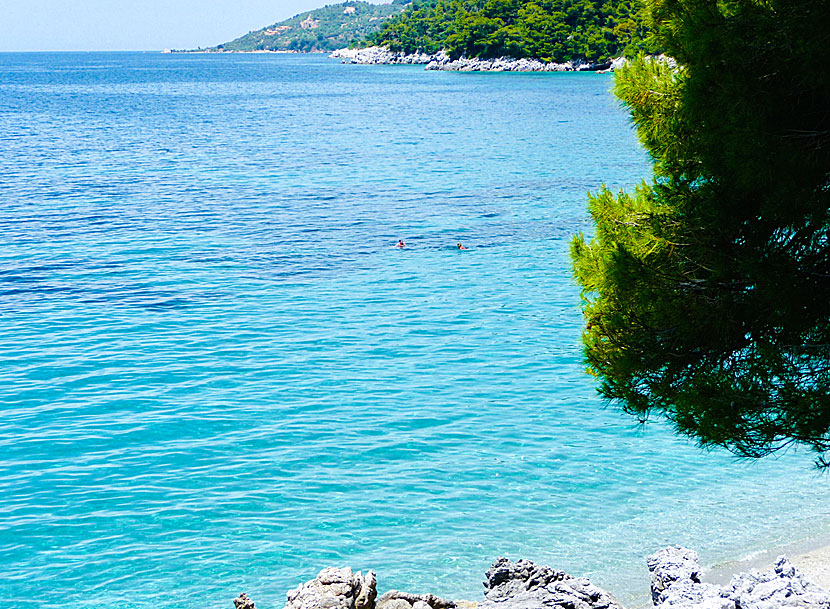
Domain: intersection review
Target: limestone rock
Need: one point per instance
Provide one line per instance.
(526, 585)
(670, 565)
(441, 61)
(781, 586)
(675, 584)
(367, 592)
(405, 600)
(379, 55)
(615, 64)
(686, 594)
(335, 588)
(394, 603)
(243, 602)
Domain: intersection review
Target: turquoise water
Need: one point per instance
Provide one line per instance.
(217, 373)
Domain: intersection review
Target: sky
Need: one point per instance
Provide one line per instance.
(137, 25)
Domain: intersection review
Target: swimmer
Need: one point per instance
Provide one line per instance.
(461, 247)
(401, 244)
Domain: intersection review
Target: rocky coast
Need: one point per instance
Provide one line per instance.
(676, 583)
(441, 61)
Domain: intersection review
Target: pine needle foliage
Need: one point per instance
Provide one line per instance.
(707, 291)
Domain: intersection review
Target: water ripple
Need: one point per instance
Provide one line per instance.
(218, 373)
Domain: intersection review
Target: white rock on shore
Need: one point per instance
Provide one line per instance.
(335, 589)
(675, 584)
(379, 56)
(442, 61)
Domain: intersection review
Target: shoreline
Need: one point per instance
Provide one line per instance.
(439, 61)
(442, 61)
(810, 555)
(677, 581)
(223, 52)
(815, 565)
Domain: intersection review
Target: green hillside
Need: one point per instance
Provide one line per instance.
(325, 29)
(551, 30)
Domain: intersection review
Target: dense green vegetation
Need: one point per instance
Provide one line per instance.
(552, 30)
(325, 29)
(708, 290)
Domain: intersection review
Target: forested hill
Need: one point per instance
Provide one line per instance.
(551, 30)
(325, 29)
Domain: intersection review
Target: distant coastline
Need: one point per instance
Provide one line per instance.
(230, 52)
(378, 55)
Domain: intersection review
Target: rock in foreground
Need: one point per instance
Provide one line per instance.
(675, 584)
(526, 585)
(671, 565)
(335, 589)
(510, 585)
(404, 600)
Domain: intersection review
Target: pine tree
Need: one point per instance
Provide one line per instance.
(707, 291)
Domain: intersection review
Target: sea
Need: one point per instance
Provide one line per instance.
(219, 374)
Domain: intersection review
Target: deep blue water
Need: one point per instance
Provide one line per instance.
(217, 373)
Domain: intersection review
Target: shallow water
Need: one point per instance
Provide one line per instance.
(217, 373)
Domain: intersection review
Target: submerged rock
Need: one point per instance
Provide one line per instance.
(525, 585)
(676, 584)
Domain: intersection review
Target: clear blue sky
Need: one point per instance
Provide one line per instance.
(133, 25)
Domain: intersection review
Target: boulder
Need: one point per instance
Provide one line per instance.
(243, 602)
(781, 586)
(670, 565)
(676, 584)
(335, 588)
(526, 585)
(367, 592)
(395, 599)
(686, 594)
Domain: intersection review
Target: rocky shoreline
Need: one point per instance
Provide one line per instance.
(675, 584)
(442, 61)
